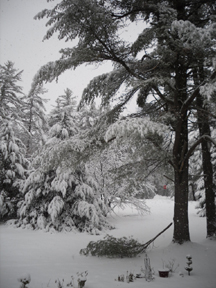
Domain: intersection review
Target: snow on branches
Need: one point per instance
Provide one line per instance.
(13, 167)
(207, 90)
(138, 126)
(61, 199)
(193, 38)
(55, 207)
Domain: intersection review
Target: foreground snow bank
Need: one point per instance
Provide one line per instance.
(47, 257)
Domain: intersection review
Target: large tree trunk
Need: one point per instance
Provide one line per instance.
(180, 161)
(204, 129)
(210, 197)
(181, 224)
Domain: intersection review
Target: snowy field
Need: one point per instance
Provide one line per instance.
(47, 257)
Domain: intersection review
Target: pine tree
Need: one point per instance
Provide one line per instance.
(11, 93)
(13, 164)
(65, 104)
(158, 64)
(13, 170)
(59, 194)
(34, 119)
(64, 118)
(62, 199)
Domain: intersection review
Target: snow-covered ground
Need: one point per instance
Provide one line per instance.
(47, 257)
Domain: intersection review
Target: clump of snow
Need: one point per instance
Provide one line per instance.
(55, 207)
(50, 256)
(41, 222)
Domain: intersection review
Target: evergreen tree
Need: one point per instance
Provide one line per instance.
(11, 93)
(62, 199)
(13, 164)
(63, 119)
(65, 104)
(34, 118)
(13, 170)
(59, 194)
(159, 64)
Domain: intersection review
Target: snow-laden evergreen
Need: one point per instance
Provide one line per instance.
(34, 119)
(10, 92)
(12, 169)
(63, 199)
(13, 163)
(65, 104)
(141, 127)
(59, 193)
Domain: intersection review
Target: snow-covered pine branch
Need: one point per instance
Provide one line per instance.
(135, 127)
(55, 207)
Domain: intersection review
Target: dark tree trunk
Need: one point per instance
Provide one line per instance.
(204, 129)
(1, 171)
(181, 224)
(180, 162)
(210, 197)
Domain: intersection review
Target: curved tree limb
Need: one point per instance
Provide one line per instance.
(192, 148)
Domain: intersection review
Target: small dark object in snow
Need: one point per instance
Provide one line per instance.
(81, 283)
(164, 273)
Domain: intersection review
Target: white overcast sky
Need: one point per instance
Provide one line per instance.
(21, 42)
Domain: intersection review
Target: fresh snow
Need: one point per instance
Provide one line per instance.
(47, 257)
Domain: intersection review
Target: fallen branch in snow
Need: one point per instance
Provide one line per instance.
(142, 247)
(122, 247)
(153, 239)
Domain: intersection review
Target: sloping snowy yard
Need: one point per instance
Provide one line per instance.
(47, 257)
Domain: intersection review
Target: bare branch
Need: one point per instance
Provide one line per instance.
(169, 178)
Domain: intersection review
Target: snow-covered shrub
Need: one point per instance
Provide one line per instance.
(61, 200)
